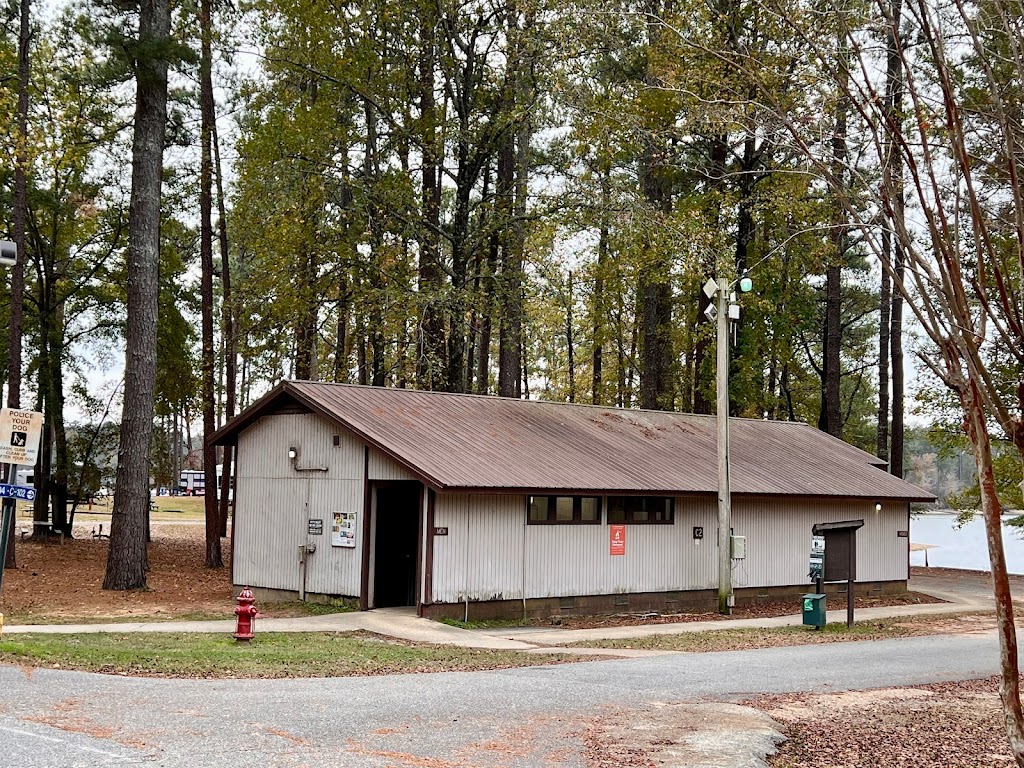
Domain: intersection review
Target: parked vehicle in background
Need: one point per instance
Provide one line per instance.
(192, 482)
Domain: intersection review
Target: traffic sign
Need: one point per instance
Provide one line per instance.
(22, 492)
(19, 436)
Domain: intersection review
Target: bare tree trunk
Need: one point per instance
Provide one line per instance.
(483, 363)
(341, 334)
(176, 461)
(228, 330)
(43, 471)
(1009, 672)
(831, 419)
(893, 179)
(885, 293)
(634, 333)
(361, 367)
(55, 408)
(654, 292)
(510, 331)
(896, 340)
(126, 561)
(430, 364)
(18, 270)
(569, 340)
(599, 309)
(214, 557)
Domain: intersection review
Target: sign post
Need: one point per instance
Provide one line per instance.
(19, 444)
(841, 556)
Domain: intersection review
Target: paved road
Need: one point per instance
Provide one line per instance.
(516, 718)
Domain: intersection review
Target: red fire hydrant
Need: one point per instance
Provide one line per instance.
(246, 613)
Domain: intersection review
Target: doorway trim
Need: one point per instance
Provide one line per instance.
(370, 488)
(364, 576)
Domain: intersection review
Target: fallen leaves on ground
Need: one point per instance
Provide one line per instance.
(65, 581)
(946, 725)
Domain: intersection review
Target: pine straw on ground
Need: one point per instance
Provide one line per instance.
(943, 725)
(64, 581)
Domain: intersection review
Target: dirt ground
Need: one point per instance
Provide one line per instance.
(55, 581)
(945, 725)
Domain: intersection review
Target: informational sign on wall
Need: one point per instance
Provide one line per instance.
(19, 436)
(343, 531)
(616, 540)
(316, 527)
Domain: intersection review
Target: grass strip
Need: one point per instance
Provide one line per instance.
(269, 655)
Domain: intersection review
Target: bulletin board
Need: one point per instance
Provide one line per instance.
(343, 530)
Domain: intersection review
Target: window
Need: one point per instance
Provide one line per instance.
(641, 509)
(564, 510)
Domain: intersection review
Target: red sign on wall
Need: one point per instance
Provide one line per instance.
(617, 540)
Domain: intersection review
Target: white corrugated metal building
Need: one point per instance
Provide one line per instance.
(475, 506)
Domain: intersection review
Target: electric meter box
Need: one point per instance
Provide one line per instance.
(738, 547)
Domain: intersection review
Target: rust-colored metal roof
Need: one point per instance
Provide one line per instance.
(472, 442)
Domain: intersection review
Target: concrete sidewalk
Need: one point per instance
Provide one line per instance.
(963, 594)
(401, 623)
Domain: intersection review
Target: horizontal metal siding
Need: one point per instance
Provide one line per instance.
(778, 535)
(481, 558)
(272, 498)
(384, 468)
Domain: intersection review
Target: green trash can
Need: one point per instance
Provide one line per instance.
(814, 610)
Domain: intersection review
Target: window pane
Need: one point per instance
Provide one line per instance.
(639, 509)
(588, 509)
(665, 510)
(563, 509)
(538, 509)
(616, 510)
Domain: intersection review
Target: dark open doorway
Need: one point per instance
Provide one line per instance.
(397, 538)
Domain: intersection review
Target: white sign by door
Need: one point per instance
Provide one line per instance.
(19, 436)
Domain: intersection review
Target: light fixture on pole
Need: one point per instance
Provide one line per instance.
(725, 311)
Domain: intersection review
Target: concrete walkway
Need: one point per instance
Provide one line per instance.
(401, 623)
(963, 593)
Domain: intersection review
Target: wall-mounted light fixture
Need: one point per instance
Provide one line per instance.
(293, 457)
(878, 507)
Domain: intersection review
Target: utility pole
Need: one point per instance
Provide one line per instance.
(722, 311)
(725, 594)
